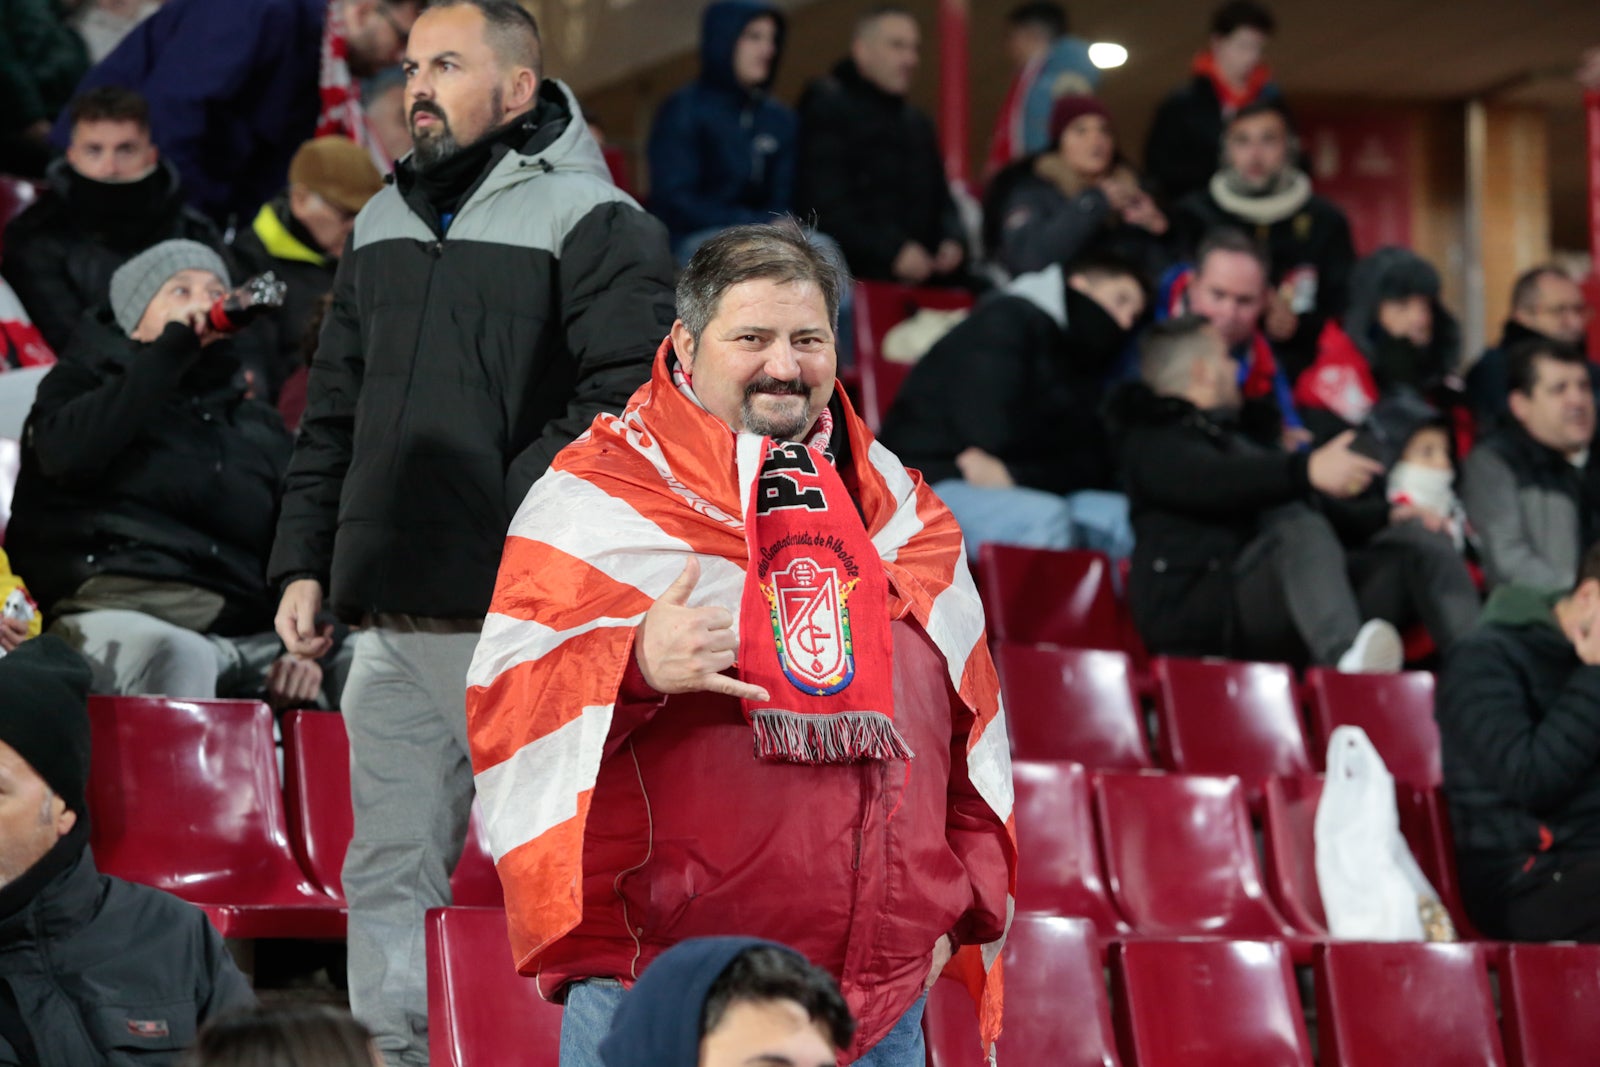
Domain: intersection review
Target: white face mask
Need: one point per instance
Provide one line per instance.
(1425, 487)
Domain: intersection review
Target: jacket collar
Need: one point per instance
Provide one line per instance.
(277, 236)
(55, 897)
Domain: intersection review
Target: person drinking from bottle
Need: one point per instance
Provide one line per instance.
(147, 494)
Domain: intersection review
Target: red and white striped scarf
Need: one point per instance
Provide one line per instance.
(342, 114)
(597, 540)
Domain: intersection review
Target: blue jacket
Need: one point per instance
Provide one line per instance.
(232, 86)
(721, 155)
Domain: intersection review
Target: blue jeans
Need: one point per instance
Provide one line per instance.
(590, 1005)
(1036, 519)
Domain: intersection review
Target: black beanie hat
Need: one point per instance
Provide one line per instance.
(44, 714)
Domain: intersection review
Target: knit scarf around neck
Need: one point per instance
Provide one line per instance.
(1286, 194)
(1205, 65)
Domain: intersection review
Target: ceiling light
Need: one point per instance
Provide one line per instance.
(1106, 55)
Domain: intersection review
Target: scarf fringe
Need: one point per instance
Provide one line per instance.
(839, 738)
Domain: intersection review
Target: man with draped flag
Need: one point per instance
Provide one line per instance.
(734, 680)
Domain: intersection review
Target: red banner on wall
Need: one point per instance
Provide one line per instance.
(1363, 163)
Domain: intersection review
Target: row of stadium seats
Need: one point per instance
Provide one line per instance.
(1203, 1002)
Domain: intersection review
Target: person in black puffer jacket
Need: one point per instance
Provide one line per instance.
(1519, 724)
(148, 489)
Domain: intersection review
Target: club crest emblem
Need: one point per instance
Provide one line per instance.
(811, 625)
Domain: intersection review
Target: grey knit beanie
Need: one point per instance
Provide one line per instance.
(137, 281)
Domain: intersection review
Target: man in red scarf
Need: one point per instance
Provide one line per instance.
(1185, 144)
(734, 681)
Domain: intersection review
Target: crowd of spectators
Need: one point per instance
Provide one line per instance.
(1183, 364)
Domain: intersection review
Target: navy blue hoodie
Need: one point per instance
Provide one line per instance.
(658, 1022)
(720, 154)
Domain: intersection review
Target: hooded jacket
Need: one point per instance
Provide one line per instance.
(61, 252)
(104, 973)
(454, 364)
(146, 461)
(1022, 378)
(871, 172)
(1519, 722)
(722, 154)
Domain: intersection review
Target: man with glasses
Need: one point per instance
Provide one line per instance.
(235, 88)
(1546, 305)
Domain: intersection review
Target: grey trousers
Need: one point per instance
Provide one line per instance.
(411, 787)
(134, 654)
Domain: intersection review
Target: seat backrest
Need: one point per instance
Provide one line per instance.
(481, 1012)
(1180, 857)
(317, 784)
(1404, 1002)
(1059, 873)
(10, 467)
(1395, 710)
(1071, 704)
(1041, 596)
(1289, 820)
(879, 307)
(1228, 717)
(185, 796)
(1208, 1004)
(1057, 1011)
(1425, 824)
(1550, 997)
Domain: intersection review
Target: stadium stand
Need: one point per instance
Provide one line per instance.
(1072, 704)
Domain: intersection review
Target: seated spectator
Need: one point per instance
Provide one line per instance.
(1415, 444)
(1227, 287)
(144, 512)
(112, 197)
(1241, 550)
(1546, 305)
(41, 59)
(1260, 191)
(290, 1035)
(1181, 153)
(19, 614)
(275, 73)
(95, 970)
(722, 150)
(1396, 338)
(1531, 487)
(21, 343)
(1519, 722)
(1002, 414)
(299, 236)
(1076, 198)
(1050, 63)
(870, 170)
(730, 1002)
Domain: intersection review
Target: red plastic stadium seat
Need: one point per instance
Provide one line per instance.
(1039, 596)
(1396, 711)
(1060, 870)
(1072, 704)
(1180, 858)
(481, 1012)
(1550, 996)
(1225, 717)
(317, 782)
(1405, 1002)
(1208, 1004)
(1425, 822)
(1057, 1012)
(184, 796)
(879, 307)
(1289, 819)
(10, 466)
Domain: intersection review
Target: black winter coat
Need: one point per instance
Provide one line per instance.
(453, 366)
(61, 252)
(1022, 378)
(105, 973)
(1184, 145)
(147, 461)
(871, 172)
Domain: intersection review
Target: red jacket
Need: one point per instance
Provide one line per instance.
(862, 866)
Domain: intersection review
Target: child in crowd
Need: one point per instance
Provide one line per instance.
(1420, 456)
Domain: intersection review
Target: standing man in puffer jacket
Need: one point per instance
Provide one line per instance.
(722, 151)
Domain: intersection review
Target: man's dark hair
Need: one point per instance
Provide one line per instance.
(1229, 239)
(1522, 362)
(766, 972)
(109, 103)
(1264, 107)
(1167, 350)
(876, 12)
(512, 30)
(1039, 15)
(1100, 265)
(1242, 14)
(1525, 290)
(776, 252)
(281, 1037)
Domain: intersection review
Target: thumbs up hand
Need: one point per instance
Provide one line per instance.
(684, 650)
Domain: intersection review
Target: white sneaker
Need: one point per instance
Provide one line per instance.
(1377, 649)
